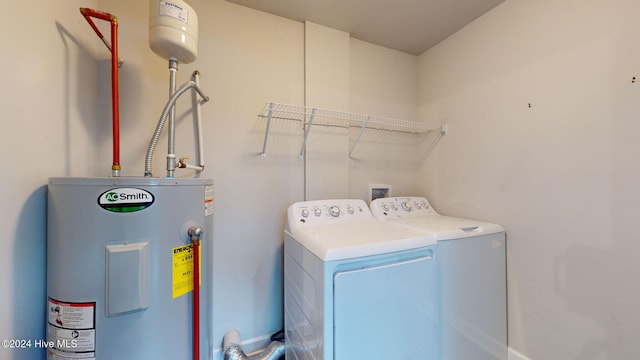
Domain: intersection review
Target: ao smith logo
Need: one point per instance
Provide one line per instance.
(115, 196)
(125, 200)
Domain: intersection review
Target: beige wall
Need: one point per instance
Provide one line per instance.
(543, 117)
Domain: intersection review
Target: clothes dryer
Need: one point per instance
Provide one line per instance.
(357, 288)
(471, 277)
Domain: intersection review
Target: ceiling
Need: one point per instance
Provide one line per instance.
(412, 26)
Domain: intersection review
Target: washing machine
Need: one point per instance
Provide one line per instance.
(471, 277)
(357, 288)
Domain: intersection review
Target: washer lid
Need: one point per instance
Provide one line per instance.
(416, 213)
(365, 238)
(446, 227)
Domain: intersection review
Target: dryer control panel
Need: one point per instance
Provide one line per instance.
(401, 207)
(324, 212)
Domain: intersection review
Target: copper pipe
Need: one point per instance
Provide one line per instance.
(115, 96)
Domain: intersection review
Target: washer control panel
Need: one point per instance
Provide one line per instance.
(399, 207)
(328, 211)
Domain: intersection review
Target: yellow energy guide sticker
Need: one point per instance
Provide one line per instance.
(183, 269)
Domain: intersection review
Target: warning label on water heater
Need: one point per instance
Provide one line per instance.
(183, 270)
(71, 330)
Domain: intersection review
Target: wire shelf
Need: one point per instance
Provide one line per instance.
(312, 116)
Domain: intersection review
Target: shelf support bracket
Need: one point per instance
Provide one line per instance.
(364, 126)
(306, 134)
(266, 133)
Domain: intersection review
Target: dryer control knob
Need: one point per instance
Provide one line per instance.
(334, 211)
(305, 213)
(350, 210)
(406, 205)
(317, 211)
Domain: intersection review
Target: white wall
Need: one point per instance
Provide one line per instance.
(48, 100)
(384, 82)
(349, 75)
(326, 68)
(543, 117)
(56, 106)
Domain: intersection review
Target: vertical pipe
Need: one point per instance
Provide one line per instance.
(196, 233)
(196, 300)
(115, 96)
(198, 124)
(171, 143)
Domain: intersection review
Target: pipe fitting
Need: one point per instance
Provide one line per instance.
(195, 233)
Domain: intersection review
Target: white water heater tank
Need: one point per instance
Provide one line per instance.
(173, 30)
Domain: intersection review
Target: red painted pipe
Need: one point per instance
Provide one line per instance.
(115, 96)
(196, 299)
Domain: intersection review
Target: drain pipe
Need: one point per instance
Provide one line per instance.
(233, 350)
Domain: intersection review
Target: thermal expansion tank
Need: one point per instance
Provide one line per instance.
(120, 270)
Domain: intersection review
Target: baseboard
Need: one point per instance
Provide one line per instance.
(248, 346)
(514, 355)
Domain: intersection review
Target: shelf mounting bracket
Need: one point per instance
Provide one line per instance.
(306, 134)
(364, 126)
(266, 133)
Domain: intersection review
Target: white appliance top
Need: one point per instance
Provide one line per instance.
(416, 213)
(345, 229)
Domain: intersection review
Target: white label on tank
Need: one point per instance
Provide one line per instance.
(168, 8)
(208, 200)
(125, 199)
(71, 330)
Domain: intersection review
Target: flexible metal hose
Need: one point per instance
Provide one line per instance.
(163, 119)
(233, 351)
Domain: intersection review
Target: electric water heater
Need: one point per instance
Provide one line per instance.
(120, 272)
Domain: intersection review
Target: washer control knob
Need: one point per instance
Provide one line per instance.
(406, 206)
(394, 207)
(385, 207)
(305, 213)
(350, 210)
(334, 211)
(317, 211)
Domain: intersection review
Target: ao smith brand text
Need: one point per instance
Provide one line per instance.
(114, 196)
